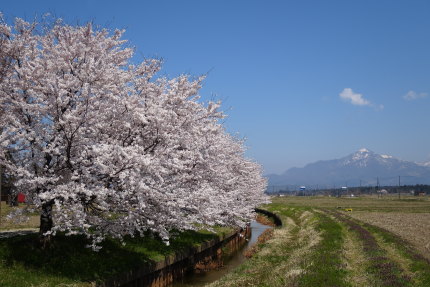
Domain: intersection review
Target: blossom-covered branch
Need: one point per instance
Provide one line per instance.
(102, 147)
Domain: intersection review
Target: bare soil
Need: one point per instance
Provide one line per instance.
(412, 227)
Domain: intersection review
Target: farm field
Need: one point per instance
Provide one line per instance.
(381, 242)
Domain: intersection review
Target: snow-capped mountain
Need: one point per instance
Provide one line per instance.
(362, 167)
(424, 163)
(364, 158)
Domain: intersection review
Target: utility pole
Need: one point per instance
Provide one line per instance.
(359, 191)
(399, 186)
(377, 186)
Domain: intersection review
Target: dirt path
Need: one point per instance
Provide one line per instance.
(384, 263)
(387, 272)
(412, 227)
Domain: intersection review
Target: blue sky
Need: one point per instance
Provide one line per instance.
(301, 80)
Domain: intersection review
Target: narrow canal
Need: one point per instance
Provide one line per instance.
(200, 279)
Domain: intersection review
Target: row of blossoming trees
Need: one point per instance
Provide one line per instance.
(104, 147)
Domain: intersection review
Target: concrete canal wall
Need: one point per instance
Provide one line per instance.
(204, 257)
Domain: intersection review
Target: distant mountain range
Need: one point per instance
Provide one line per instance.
(363, 167)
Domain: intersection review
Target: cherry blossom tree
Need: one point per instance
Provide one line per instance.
(104, 147)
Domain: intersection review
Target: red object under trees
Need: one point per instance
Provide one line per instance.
(21, 198)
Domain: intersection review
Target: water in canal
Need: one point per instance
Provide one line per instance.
(231, 262)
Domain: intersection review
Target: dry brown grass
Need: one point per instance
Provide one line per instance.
(282, 259)
(32, 223)
(5, 224)
(264, 220)
(413, 227)
(355, 261)
(389, 203)
(408, 218)
(265, 236)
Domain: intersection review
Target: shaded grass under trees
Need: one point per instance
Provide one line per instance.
(67, 261)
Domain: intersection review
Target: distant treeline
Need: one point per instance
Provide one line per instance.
(416, 190)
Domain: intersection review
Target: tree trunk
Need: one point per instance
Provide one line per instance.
(46, 224)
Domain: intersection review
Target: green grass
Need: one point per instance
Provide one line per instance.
(327, 269)
(315, 248)
(265, 268)
(385, 271)
(308, 250)
(389, 203)
(67, 261)
(419, 265)
(303, 252)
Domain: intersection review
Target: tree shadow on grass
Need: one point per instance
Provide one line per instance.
(68, 257)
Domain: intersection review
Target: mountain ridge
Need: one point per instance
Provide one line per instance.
(363, 167)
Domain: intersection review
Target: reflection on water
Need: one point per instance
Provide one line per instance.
(231, 262)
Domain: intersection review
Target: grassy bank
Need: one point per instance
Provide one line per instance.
(304, 243)
(69, 263)
(322, 244)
